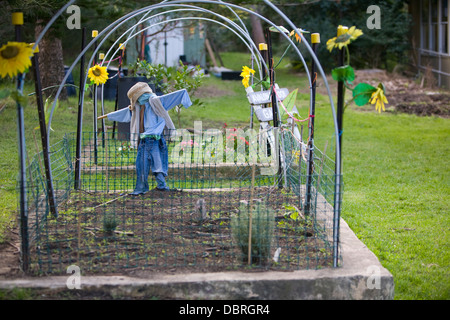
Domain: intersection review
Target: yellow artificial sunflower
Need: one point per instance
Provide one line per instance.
(297, 37)
(344, 38)
(15, 58)
(379, 99)
(245, 74)
(98, 74)
(245, 81)
(354, 33)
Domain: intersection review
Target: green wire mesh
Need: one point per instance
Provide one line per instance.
(222, 186)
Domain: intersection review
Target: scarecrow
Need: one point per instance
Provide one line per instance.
(150, 126)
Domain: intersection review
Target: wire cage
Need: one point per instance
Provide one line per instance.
(245, 199)
(202, 223)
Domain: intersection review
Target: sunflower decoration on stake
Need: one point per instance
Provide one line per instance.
(98, 75)
(15, 58)
(362, 93)
(246, 74)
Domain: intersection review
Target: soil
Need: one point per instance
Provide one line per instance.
(165, 232)
(10, 255)
(406, 95)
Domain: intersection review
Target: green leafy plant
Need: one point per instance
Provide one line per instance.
(155, 73)
(263, 222)
(295, 221)
(184, 77)
(169, 79)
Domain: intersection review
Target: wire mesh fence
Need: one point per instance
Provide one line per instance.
(232, 203)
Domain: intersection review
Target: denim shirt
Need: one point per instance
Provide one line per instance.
(153, 124)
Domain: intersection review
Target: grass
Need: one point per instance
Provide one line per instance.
(396, 199)
(396, 175)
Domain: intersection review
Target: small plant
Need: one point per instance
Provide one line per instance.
(109, 223)
(262, 227)
(295, 221)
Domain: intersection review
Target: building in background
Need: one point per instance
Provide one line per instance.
(168, 43)
(431, 38)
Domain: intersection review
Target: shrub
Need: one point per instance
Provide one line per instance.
(263, 222)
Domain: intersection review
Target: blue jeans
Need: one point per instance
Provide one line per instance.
(152, 155)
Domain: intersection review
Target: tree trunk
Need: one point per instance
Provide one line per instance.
(51, 63)
(257, 29)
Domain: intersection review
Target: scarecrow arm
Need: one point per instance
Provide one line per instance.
(175, 98)
(122, 115)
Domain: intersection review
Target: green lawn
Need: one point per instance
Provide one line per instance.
(396, 198)
(396, 175)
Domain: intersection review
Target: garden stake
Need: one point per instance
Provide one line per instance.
(340, 94)
(315, 40)
(17, 20)
(250, 217)
(79, 230)
(94, 35)
(300, 168)
(339, 118)
(272, 78)
(106, 161)
(80, 113)
(119, 71)
(43, 129)
(275, 116)
(251, 107)
(101, 57)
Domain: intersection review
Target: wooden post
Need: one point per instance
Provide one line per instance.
(211, 53)
(340, 113)
(275, 115)
(340, 90)
(44, 136)
(101, 56)
(119, 71)
(80, 114)
(95, 129)
(250, 218)
(315, 40)
(17, 21)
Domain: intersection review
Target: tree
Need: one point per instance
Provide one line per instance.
(377, 48)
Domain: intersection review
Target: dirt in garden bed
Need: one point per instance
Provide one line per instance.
(166, 232)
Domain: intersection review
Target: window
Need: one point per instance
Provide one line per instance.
(444, 27)
(434, 35)
(425, 24)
